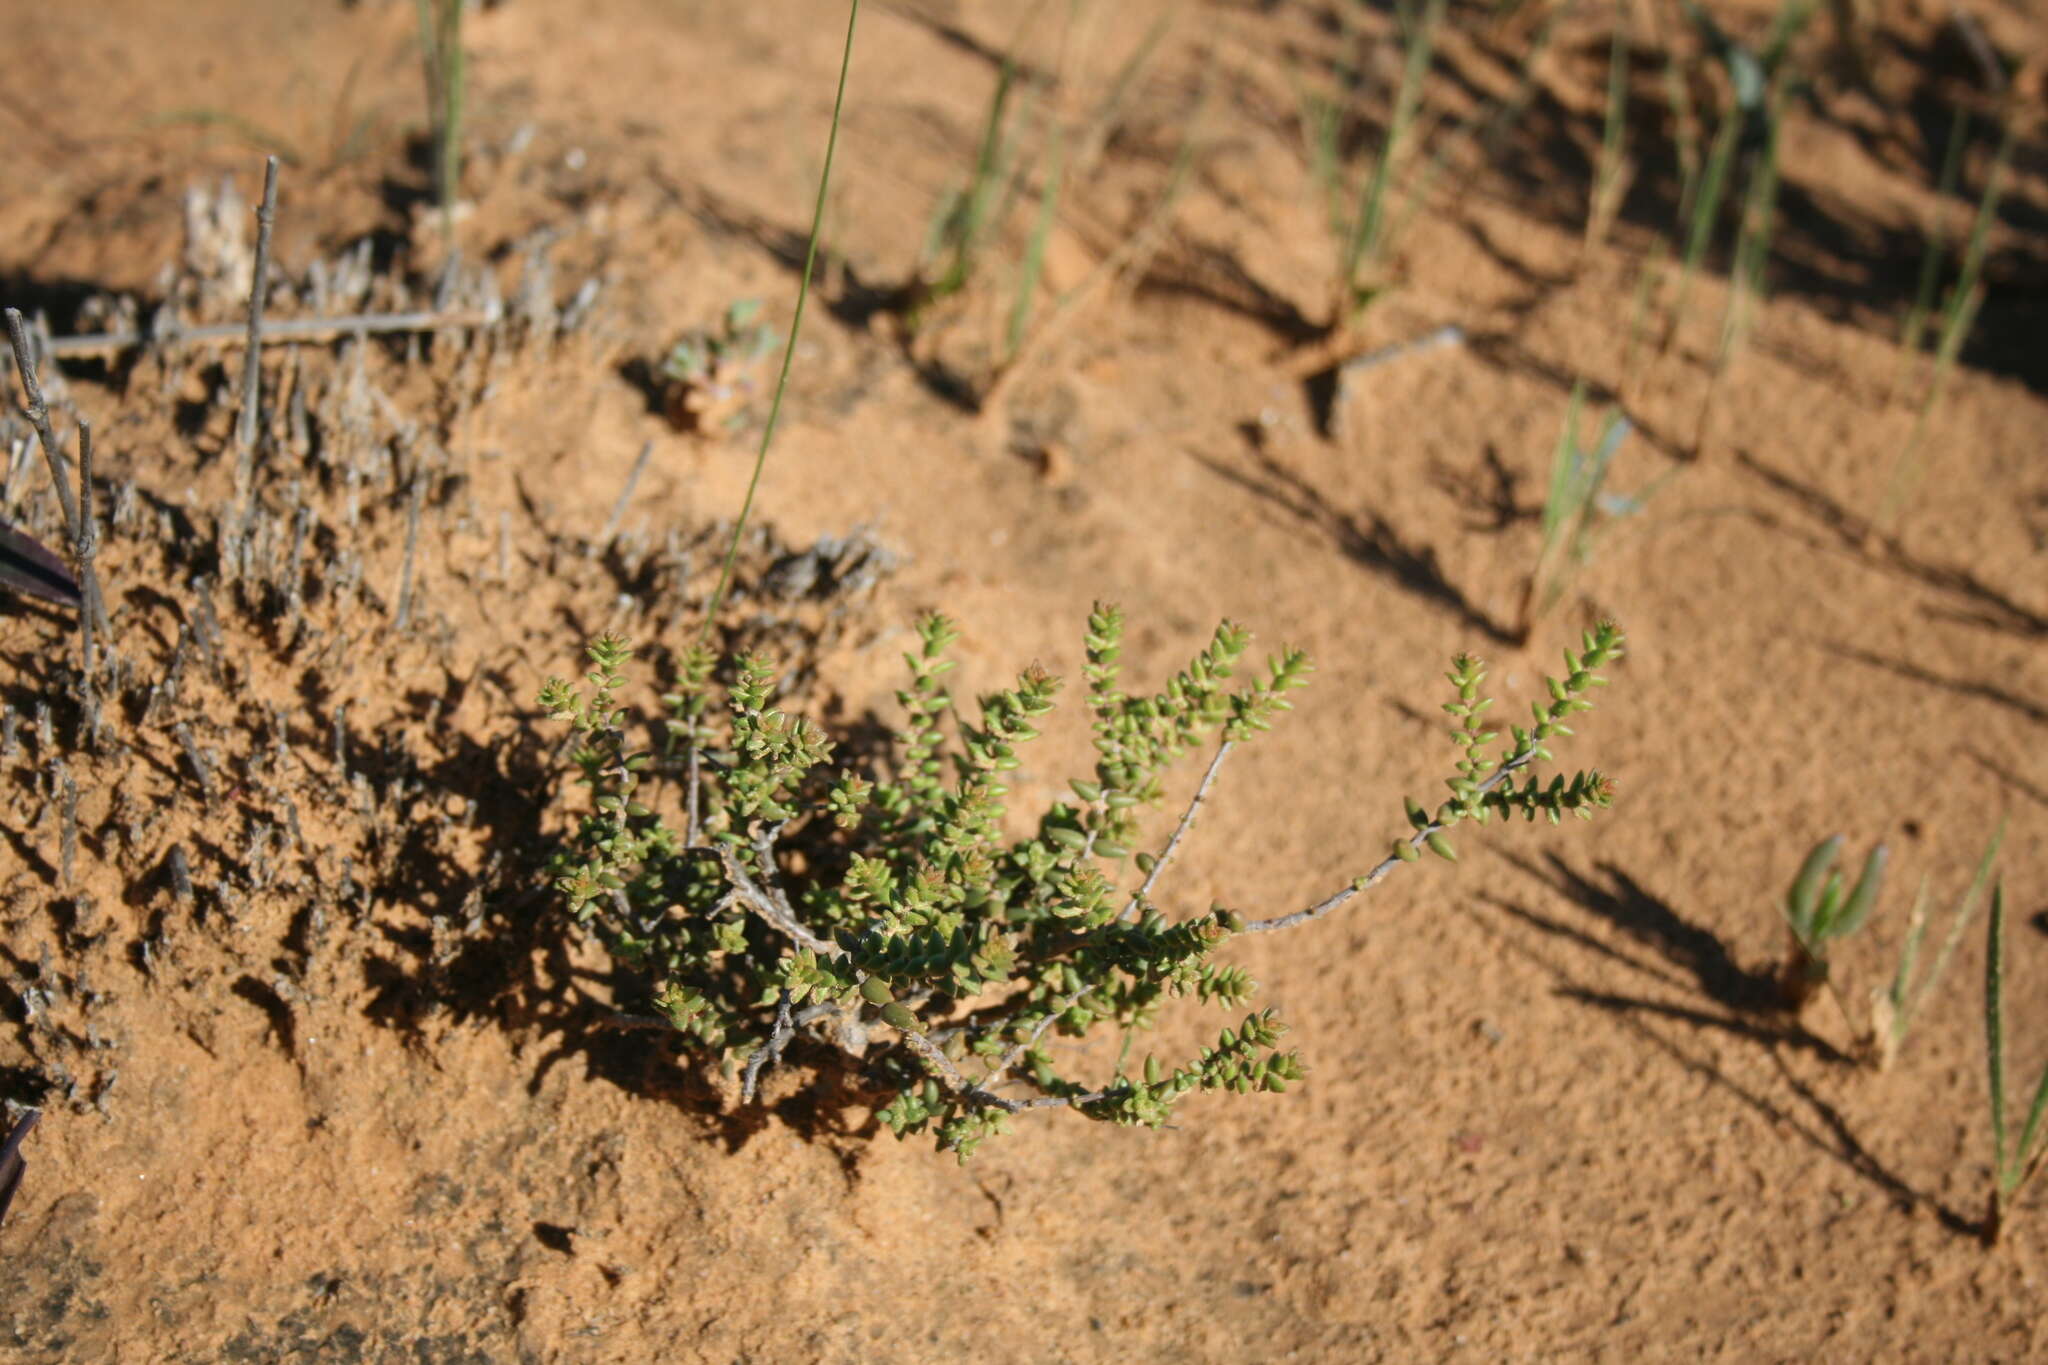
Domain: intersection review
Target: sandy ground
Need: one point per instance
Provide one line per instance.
(352, 1097)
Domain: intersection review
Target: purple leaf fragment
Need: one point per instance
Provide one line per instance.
(26, 566)
(11, 1163)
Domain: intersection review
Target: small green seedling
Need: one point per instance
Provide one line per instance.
(1893, 1010)
(1935, 254)
(1361, 217)
(441, 55)
(1759, 81)
(710, 377)
(1753, 235)
(968, 213)
(2013, 1164)
(1611, 177)
(1958, 316)
(1818, 912)
(1576, 512)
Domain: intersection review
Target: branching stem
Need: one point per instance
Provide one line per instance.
(768, 902)
(1187, 820)
(1387, 864)
(769, 1053)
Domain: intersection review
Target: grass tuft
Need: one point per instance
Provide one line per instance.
(1577, 511)
(447, 81)
(1958, 316)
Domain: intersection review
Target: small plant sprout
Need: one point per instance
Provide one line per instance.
(1041, 142)
(1932, 258)
(1958, 316)
(1758, 82)
(711, 377)
(896, 914)
(1893, 1009)
(1612, 176)
(2013, 1163)
(1753, 235)
(1362, 217)
(441, 56)
(968, 212)
(1818, 912)
(1576, 512)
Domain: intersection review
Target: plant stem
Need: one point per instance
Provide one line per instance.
(284, 330)
(252, 367)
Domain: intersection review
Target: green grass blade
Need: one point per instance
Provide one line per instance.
(963, 228)
(1416, 196)
(1803, 898)
(1366, 225)
(1909, 958)
(1684, 121)
(1753, 245)
(1647, 280)
(441, 54)
(264, 139)
(1103, 123)
(1906, 471)
(1592, 478)
(1614, 429)
(1034, 252)
(1572, 520)
(1994, 1029)
(796, 326)
(1966, 910)
(1791, 19)
(1564, 466)
(1937, 238)
(1959, 317)
(2025, 1159)
(1512, 108)
(1707, 211)
(1980, 229)
(1614, 136)
(1320, 123)
(939, 231)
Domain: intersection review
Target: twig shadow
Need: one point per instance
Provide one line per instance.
(1833, 1136)
(1367, 538)
(2033, 710)
(1859, 1158)
(1979, 604)
(1697, 952)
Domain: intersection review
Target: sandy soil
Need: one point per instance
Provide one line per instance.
(350, 1095)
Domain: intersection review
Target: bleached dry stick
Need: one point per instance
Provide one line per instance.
(252, 369)
(274, 332)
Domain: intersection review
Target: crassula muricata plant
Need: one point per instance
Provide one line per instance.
(895, 914)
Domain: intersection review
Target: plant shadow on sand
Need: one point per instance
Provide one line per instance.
(1692, 959)
(1367, 539)
(1843, 260)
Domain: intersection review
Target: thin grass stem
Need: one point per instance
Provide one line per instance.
(1937, 239)
(1961, 314)
(1608, 179)
(1706, 212)
(803, 293)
